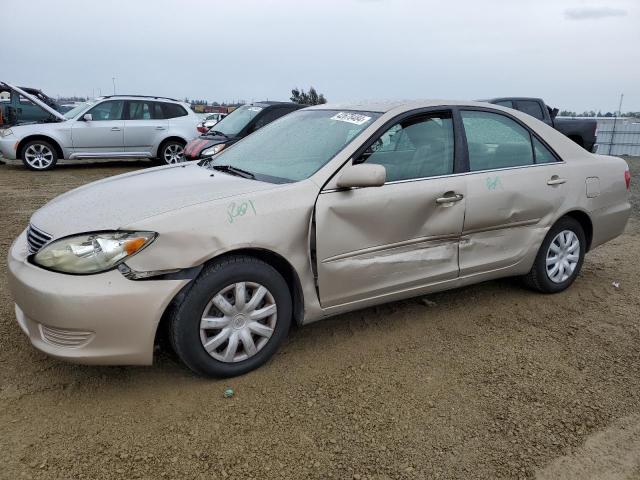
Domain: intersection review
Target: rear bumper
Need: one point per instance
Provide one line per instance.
(92, 319)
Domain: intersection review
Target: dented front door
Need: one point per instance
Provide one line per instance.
(376, 241)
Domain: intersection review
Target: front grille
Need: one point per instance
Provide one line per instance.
(36, 239)
(65, 338)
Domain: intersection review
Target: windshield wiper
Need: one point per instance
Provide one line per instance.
(234, 171)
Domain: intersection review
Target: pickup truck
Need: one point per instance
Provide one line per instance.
(581, 130)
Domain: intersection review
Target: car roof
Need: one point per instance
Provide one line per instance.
(135, 97)
(500, 99)
(271, 103)
(388, 105)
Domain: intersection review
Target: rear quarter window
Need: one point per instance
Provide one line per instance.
(172, 110)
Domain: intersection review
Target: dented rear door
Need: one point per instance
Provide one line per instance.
(514, 189)
(381, 240)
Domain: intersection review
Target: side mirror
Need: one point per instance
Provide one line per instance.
(87, 117)
(363, 175)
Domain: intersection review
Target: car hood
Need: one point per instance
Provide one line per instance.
(119, 201)
(36, 101)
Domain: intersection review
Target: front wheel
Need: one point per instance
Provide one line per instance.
(171, 152)
(39, 155)
(560, 257)
(233, 319)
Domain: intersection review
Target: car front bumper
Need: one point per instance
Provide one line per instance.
(8, 147)
(102, 319)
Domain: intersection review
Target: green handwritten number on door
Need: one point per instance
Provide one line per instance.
(235, 210)
(493, 183)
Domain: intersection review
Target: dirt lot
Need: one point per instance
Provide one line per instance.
(491, 381)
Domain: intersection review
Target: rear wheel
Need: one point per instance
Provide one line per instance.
(170, 152)
(233, 319)
(39, 155)
(560, 257)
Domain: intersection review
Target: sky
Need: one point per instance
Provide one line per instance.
(576, 54)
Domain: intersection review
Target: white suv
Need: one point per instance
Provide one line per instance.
(118, 126)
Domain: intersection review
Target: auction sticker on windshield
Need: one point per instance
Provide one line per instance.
(350, 117)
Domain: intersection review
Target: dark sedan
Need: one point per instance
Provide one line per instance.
(238, 124)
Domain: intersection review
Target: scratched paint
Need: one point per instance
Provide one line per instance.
(240, 209)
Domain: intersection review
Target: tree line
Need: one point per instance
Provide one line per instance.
(312, 97)
(593, 113)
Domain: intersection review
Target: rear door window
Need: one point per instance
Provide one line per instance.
(531, 108)
(143, 110)
(495, 141)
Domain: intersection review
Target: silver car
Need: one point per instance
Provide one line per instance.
(119, 126)
(326, 210)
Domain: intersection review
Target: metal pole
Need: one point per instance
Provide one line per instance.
(615, 120)
(113, 79)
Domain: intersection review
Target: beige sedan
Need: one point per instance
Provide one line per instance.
(328, 209)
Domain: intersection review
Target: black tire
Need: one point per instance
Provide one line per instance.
(184, 325)
(163, 151)
(538, 278)
(48, 158)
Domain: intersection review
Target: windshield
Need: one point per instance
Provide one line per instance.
(76, 110)
(295, 146)
(233, 123)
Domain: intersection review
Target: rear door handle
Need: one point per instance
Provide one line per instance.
(115, 129)
(456, 197)
(160, 128)
(555, 180)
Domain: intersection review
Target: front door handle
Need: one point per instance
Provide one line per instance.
(556, 180)
(115, 129)
(455, 197)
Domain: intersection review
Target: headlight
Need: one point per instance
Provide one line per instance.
(5, 132)
(213, 150)
(92, 252)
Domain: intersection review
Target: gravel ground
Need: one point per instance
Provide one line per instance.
(491, 381)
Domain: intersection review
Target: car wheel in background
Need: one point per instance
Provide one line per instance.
(39, 155)
(234, 318)
(171, 152)
(560, 257)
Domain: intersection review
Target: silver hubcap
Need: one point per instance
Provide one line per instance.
(563, 256)
(238, 322)
(38, 156)
(173, 153)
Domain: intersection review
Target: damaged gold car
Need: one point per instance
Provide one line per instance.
(326, 210)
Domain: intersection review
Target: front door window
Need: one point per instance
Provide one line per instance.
(110, 110)
(419, 147)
